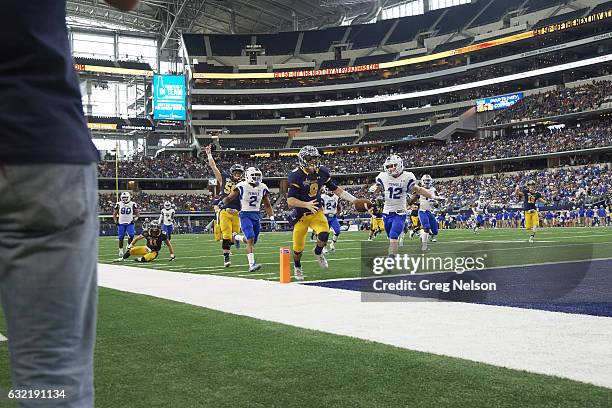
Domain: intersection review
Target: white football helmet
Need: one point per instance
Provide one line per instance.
(481, 198)
(167, 205)
(125, 197)
(426, 180)
(394, 165)
(253, 176)
(324, 190)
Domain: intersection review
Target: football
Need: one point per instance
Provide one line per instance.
(362, 204)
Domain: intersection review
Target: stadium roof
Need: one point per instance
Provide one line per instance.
(168, 18)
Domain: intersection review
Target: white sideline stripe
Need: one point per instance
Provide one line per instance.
(561, 344)
(2, 338)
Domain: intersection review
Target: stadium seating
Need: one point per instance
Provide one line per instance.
(453, 45)
(408, 27)
(339, 125)
(228, 44)
(535, 5)
(336, 141)
(375, 59)
(256, 129)
(393, 134)
(495, 11)
(94, 61)
(278, 44)
(321, 40)
(560, 18)
(144, 66)
(602, 7)
(194, 44)
(369, 35)
(252, 143)
(457, 17)
(341, 63)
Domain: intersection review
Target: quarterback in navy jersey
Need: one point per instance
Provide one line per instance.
(304, 198)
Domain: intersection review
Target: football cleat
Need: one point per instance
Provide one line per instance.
(401, 241)
(227, 263)
(119, 259)
(140, 259)
(434, 240)
(322, 261)
(254, 268)
(298, 274)
(531, 238)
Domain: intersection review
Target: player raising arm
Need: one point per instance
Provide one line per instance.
(530, 197)
(252, 193)
(396, 184)
(304, 197)
(228, 216)
(155, 238)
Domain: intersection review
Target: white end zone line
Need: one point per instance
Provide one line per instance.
(560, 344)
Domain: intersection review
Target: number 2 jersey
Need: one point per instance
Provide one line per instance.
(126, 211)
(396, 190)
(307, 187)
(251, 196)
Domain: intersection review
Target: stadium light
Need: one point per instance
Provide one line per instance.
(419, 94)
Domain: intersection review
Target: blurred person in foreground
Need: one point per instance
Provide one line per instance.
(48, 208)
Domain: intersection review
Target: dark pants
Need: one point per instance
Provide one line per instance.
(48, 278)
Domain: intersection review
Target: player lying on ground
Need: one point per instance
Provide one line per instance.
(530, 197)
(155, 239)
(397, 184)
(228, 216)
(252, 193)
(304, 198)
(125, 215)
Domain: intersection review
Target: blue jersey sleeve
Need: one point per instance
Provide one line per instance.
(296, 181)
(327, 180)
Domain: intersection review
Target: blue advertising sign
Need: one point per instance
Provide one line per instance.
(498, 102)
(169, 97)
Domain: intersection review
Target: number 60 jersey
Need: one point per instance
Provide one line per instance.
(396, 190)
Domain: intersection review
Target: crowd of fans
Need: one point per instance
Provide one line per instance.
(558, 102)
(415, 154)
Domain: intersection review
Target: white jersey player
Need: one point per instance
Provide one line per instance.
(427, 207)
(125, 215)
(331, 207)
(252, 193)
(166, 219)
(479, 210)
(396, 184)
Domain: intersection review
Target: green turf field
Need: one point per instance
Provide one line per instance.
(158, 353)
(503, 247)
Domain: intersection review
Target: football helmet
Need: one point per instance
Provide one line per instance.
(394, 165)
(154, 228)
(324, 190)
(125, 197)
(237, 168)
(167, 205)
(253, 176)
(426, 180)
(309, 156)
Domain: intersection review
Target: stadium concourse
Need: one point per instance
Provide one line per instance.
(350, 203)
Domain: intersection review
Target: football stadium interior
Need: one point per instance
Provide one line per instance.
(505, 104)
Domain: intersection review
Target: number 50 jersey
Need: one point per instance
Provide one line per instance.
(396, 190)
